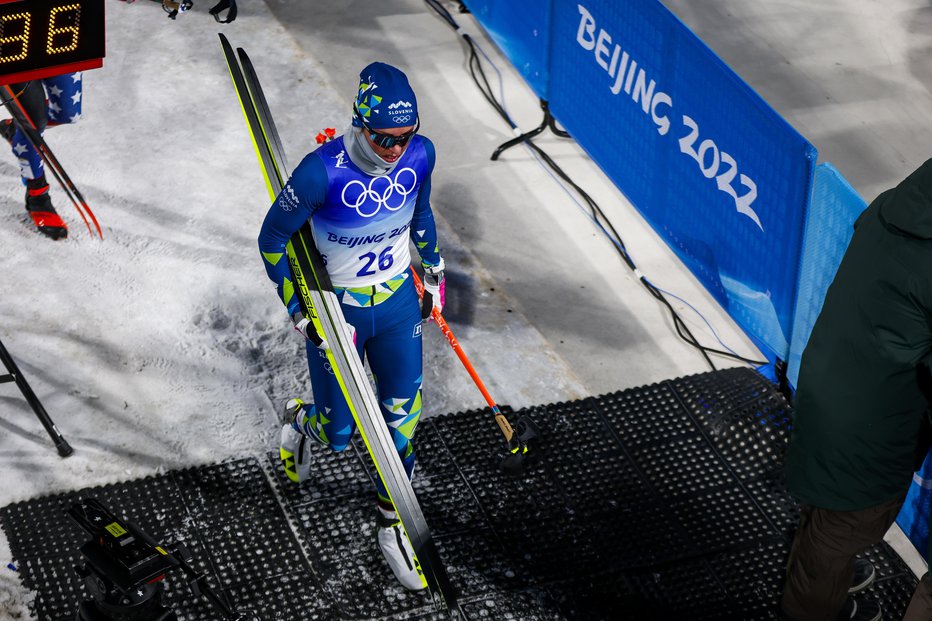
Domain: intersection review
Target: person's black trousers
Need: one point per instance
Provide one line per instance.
(821, 564)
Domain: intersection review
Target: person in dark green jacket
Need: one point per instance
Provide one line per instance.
(859, 406)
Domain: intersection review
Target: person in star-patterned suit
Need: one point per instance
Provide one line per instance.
(48, 102)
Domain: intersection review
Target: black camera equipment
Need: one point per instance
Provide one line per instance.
(123, 569)
(13, 375)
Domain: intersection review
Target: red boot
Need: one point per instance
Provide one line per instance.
(39, 206)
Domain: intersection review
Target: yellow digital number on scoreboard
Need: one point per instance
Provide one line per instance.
(14, 33)
(41, 38)
(64, 26)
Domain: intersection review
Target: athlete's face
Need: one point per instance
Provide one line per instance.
(389, 154)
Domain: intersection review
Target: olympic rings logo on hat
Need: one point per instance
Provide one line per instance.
(401, 119)
(383, 191)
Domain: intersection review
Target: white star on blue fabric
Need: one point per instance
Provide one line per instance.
(20, 148)
(55, 91)
(76, 77)
(74, 118)
(54, 107)
(77, 97)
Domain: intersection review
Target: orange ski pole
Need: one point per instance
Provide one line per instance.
(503, 423)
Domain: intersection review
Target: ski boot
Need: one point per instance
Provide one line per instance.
(395, 547)
(295, 450)
(43, 214)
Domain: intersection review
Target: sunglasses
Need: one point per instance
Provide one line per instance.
(387, 141)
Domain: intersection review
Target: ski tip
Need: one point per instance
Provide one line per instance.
(50, 224)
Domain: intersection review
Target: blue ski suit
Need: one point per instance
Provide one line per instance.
(362, 226)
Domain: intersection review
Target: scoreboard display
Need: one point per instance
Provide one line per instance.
(42, 38)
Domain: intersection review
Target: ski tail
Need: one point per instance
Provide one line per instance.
(272, 139)
(317, 298)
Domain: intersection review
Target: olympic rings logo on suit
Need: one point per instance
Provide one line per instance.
(404, 118)
(383, 191)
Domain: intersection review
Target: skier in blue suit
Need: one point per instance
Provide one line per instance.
(367, 196)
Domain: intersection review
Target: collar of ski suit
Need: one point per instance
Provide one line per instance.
(360, 153)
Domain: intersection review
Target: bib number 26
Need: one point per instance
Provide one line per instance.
(370, 262)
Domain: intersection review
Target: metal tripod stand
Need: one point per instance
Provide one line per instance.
(13, 374)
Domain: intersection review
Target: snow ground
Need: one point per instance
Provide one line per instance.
(164, 345)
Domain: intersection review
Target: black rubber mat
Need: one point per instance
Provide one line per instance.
(661, 502)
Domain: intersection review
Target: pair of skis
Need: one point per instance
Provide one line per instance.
(28, 128)
(320, 304)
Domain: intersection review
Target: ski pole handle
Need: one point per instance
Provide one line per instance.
(503, 423)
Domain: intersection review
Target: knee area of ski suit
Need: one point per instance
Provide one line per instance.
(388, 335)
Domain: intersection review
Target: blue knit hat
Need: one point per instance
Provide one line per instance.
(384, 99)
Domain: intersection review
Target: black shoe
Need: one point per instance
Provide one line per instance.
(860, 610)
(864, 575)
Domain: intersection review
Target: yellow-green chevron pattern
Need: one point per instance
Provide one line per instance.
(287, 290)
(273, 257)
(409, 411)
(370, 296)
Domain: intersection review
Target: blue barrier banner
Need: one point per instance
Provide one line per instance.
(521, 29)
(710, 165)
(914, 517)
(834, 207)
